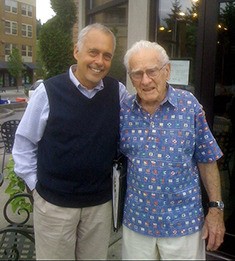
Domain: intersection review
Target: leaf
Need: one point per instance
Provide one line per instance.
(16, 185)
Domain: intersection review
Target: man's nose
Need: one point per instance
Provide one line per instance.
(99, 59)
(145, 78)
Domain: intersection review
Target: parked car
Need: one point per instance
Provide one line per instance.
(34, 86)
(29, 90)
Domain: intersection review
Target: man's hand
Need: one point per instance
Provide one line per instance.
(214, 229)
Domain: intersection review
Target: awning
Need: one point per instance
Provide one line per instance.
(31, 66)
(3, 65)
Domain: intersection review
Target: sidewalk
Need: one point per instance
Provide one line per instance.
(8, 112)
(12, 93)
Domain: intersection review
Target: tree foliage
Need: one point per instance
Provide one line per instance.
(65, 11)
(117, 69)
(38, 28)
(56, 41)
(15, 65)
(15, 186)
(174, 15)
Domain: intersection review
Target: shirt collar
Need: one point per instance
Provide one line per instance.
(99, 87)
(171, 96)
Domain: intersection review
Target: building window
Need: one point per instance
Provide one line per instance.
(30, 51)
(23, 50)
(8, 48)
(27, 30)
(97, 3)
(11, 27)
(27, 51)
(114, 15)
(11, 6)
(27, 10)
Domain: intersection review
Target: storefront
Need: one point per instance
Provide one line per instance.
(199, 36)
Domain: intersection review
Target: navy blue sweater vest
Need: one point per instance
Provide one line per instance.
(79, 144)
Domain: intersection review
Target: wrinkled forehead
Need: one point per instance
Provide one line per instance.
(144, 59)
(98, 37)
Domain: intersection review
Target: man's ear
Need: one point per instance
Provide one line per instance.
(75, 51)
(168, 71)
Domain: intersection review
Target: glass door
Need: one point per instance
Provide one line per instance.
(224, 112)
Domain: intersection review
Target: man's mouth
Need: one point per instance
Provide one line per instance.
(96, 70)
(148, 89)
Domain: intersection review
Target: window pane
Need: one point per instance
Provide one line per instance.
(7, 49)
(23, 50)
(30, 29)
(30, 11)
(30, 51)
(115, 18)
(14, 28)
(23, 9)
(14, 9)
(23, 31)
(177, 32)
(95, 3)
(7, 8)
(11, 6)
(7, 27)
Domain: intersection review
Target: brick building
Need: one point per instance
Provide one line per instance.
(17, 30)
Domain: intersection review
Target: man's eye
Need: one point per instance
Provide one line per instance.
(93, 53)
(151, 71)
(107, 57)
(140, 73)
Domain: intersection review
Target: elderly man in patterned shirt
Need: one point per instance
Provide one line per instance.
(169, 146)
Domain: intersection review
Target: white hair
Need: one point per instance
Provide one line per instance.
(143, 44)
(83, 33)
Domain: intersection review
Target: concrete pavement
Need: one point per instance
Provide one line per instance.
(16, 112)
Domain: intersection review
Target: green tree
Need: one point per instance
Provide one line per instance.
(56, 39)
(15, 66)
(117, 69)
(167, 37)
(174, 15)
(66, 12)
(38, 28)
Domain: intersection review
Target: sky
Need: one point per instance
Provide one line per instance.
(43, 10)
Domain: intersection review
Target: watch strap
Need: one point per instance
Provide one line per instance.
(216, 204)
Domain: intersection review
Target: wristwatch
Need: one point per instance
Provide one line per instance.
(216, 204)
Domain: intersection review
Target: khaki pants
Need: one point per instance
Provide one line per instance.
(71, 233)
(136, 246)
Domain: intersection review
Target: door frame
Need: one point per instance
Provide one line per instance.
(206, 55)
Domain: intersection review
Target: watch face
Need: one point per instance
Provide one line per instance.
(221, 204)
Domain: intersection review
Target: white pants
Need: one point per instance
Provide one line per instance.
(136, 246)
(71, 233)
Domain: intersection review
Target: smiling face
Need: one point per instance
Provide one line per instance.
(151, 87)
(93, 58)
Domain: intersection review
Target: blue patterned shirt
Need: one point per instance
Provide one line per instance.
(163, 194)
